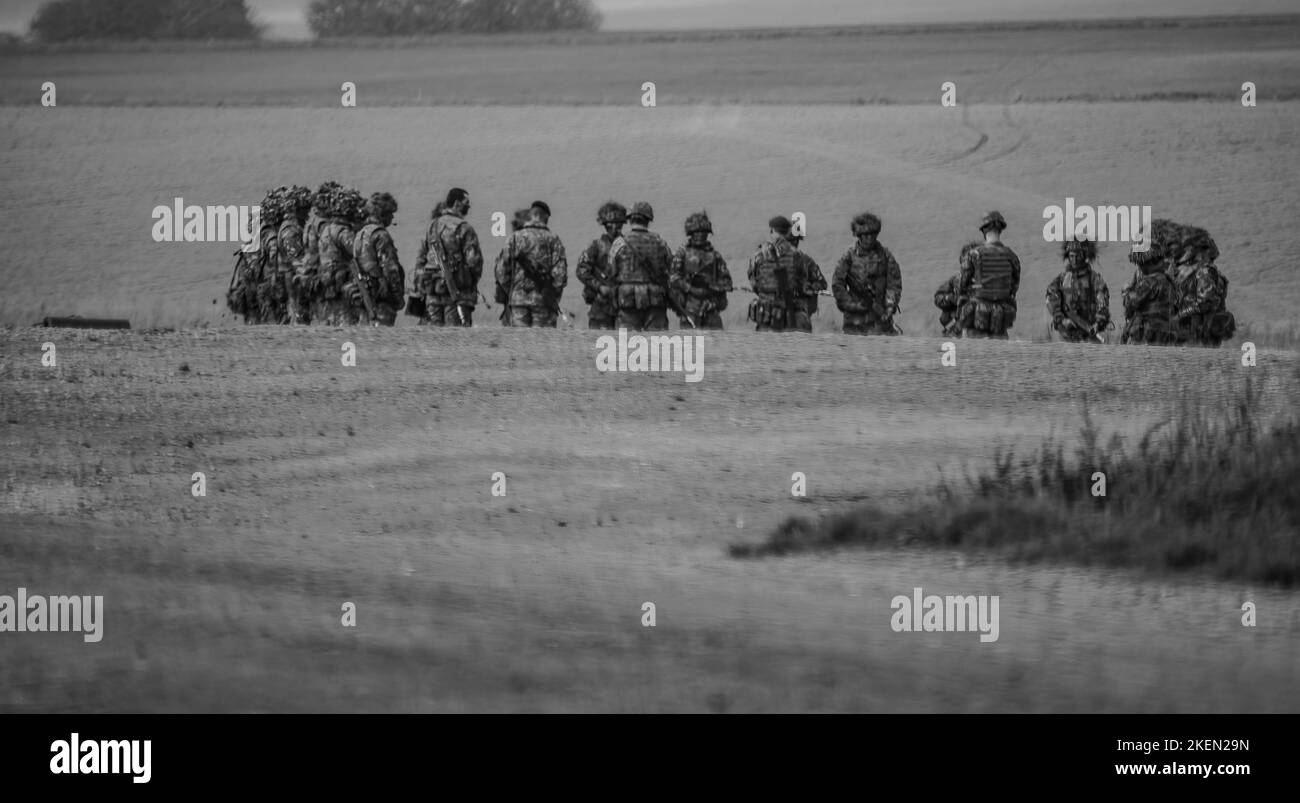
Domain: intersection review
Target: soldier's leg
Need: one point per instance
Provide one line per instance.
(598, 318)
(466, 316)
(802, 322)
(521, 315)
(631, 319)
(711, 321)
(656, 319)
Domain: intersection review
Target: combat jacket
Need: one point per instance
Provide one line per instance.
(700, 278)
(335, 248)
(459, 246)
(377, 256)
(534, 268)
(640, 264)
(593, 267)
(1084, 293)
(867, 281)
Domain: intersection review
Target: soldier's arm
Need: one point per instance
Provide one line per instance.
(893, 281)
(386, 250)
(1055, 305)
(1015, 274)
(422, 255)
(816, 279)
(753, 268)
(1206, 295)
(1102, 299)
(291, 247)
(586, 269)
(559, 268)
(666, 259)
(723, 276)
(471, 252)
(840, 286)
(677, 271)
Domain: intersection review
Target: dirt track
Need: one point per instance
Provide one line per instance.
(621, 489)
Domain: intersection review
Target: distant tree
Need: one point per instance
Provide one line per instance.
(403, 17)
(63, 20)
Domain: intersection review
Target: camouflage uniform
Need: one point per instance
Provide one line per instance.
(598, 290)
(699, 278)
(536, 270)
(777, 277)
(291, 252)
(989, 281)
(465, 262)
(271, 297)
(639, 266)
(308, 272)
(816, 280)
(948, 297)
(867, 283)
(500, 274)
(376, 256)
(1081, 290)
(1149, 306)
(1200, 316)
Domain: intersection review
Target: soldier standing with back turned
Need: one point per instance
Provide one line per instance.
(639, 265)
(990, 279)
(778, 282)
(536, 269)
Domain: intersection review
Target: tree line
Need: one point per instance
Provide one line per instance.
(71, 20)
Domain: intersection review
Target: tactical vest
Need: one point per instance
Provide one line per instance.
(641, 258)
(445, 229)
(775, 270)
(335, 238)
(363, 248)
(1078, 294)
(700, 261)
(869, 272)
(994, 273)
(1157, 291)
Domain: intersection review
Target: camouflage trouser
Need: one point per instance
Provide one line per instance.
(601, 315)
(523, 315)
(272, 302)
(1073, 334)
(867, 324)
(650, 319)
(447, 315)
(329, 312)
(385, 314)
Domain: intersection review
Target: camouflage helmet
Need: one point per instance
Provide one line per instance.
(993, 220)
(611, 212)
(698, 221)
(296, 199)
(1163, 243)
(642, 210)
(323, 200)
(865, 223)
(1086, 247)
(381, 205)
(350, 204)
(271, 209)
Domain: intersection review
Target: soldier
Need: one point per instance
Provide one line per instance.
(594, 269)
(499, 271)
(308, 280)
(271, 297)
(639, 266)
(948, 298)
(868, 282)
(536, 271)
(296, 204)
(699, 277)
(990, 279)
(1200, 316)
(816, 280)
(1149, 300)
(380, 268)
(776, 278)
(451, 264)
(1078, 300)
(345, 210)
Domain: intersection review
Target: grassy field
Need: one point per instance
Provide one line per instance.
(372, 484)
(1088, 61)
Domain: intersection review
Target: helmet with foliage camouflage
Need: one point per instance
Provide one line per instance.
(295, 200)
(272, 207)
(1086, 247)
(381, 206)
(1198, 246)
(993, 220)
(698, 221)
(865, 223)
(643, 211)
(323, 200)
(1165, 239)
(611, 212)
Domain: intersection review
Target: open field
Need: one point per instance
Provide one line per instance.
(82, 184)
(372, 484)
(1200, 58)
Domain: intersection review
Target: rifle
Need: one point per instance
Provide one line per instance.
(359, 278)
(856, 289)
(1079, 322)
(439, 256)
(751, 290)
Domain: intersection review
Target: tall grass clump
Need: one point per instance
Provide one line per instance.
(1212, 489)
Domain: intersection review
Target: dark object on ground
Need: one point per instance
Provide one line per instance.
(78, 322)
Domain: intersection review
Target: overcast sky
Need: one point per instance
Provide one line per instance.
(284, 18)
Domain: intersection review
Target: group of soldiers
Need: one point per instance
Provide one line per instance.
(327, 257)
